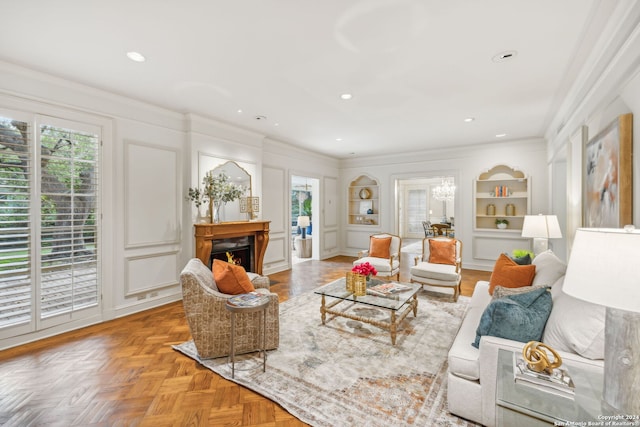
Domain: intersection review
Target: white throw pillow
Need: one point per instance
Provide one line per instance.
(575, 326)
(556, 288)
(549, 268)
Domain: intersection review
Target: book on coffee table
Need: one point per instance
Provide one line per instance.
(387, 289)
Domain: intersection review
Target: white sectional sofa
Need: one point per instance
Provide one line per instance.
(574, 327)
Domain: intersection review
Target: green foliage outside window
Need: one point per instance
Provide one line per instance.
(300, 204)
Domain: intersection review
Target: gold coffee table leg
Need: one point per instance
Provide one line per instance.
(322, 310)
(392, 328)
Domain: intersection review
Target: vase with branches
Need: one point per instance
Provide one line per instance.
(217, 191)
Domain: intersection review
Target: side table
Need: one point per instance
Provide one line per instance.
(526, 405)
(258, 304)
(303, 247)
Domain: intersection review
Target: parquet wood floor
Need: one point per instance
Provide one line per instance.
(125, 373)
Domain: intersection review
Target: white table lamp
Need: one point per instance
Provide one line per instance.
(541, 228)
(603, 269)
(303, 223)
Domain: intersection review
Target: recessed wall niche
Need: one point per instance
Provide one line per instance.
(364, 201)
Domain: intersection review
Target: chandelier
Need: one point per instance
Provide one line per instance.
(444, 192)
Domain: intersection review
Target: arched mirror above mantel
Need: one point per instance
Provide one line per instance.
(240, 177)
(239, 173)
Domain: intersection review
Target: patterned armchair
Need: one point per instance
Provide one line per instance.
(210, 322)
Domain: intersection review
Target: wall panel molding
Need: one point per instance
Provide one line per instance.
(277, 254)
(330, 201)
(145, 273)
(330, 241)
(152, 205)
(275, 202)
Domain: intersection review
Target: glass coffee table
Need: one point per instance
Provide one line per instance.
(399, 304)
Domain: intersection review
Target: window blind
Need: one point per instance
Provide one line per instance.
(16, 175)
(68, 231)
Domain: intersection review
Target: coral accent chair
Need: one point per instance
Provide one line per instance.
(439, 269)
(210, 322)
(383, 254)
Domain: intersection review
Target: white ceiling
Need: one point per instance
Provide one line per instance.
(416, 68)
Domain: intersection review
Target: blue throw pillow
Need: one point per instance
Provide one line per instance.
(516, 317)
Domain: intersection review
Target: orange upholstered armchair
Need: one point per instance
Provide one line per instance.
(383, 254)
(440, 264)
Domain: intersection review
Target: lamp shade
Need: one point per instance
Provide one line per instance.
(541, 226)
(303, 221)
(603, 268)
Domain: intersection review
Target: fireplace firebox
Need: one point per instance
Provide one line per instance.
(236, 250)
(210, 237)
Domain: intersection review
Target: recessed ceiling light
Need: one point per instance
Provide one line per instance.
(346, 96)
(501, 135)
(136, 56)
(239, 110)
(338, 139)
(469, 119)
(276, 124)
(504, 56)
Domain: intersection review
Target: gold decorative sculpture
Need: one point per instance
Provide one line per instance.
(537, 358)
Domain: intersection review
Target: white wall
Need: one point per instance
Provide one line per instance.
(213, 143)
(465, 164)
(150, 157)
(608, 87)
(142, 225)
(147, 174)
(280, 162)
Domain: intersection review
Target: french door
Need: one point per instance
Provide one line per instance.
(416, 204)
(49, 222)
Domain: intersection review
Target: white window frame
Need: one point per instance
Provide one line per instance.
(28, 110)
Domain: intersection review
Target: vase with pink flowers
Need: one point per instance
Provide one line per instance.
(365, 269)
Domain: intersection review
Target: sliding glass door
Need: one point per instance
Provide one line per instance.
(49, 222)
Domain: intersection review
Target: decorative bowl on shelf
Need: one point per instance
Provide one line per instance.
(502, 223)
(365, 193)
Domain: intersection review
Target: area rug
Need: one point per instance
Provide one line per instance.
(347, 373)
